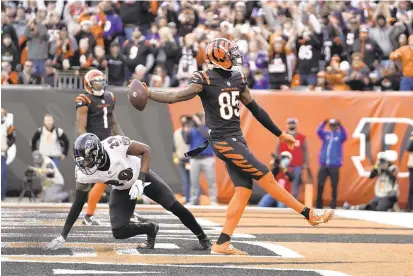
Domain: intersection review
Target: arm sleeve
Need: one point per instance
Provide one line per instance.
(262, 116)
(343, 134)
(320, 130)
(35, 138)
(77, 206)
(199, 77)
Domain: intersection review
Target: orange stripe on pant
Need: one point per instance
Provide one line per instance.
(221, 143)
(223, 149)
(234, 156)
(94, 196)
(242, 164)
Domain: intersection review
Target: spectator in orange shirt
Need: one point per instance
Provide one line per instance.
(405, 55)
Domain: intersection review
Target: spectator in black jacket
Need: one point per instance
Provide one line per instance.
(169, 52)
(370, 51)
(308, 48)
(7, 28)
(116, 66)
(51, 141)
(138, 51)
(9, 51)
(86, 33)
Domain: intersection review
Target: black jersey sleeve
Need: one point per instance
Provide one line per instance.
(82, 100)
(200, 77)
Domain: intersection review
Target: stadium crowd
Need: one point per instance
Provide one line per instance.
(321, 45)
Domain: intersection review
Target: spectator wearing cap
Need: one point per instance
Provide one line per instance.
(370, 51)
(138, 51)
(330, 158)
(37, 45)
(9, 51)
(308, 47)
(113, 26)
(299, 153)
(405, 55)
(116, 65)
(381, 35)
(27, 76)
(20, 21)
(8, 76)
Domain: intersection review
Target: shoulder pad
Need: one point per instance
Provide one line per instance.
(200, 77)
(82, 100)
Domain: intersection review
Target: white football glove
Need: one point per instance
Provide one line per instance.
(137, 189)
(56, 243)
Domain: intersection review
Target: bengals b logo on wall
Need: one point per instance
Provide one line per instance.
(390, 135)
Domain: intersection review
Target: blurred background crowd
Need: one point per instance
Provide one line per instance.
(303, 45)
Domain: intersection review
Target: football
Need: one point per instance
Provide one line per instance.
(138, 94)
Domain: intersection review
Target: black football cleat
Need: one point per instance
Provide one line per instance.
(205, 243)
(151, 239)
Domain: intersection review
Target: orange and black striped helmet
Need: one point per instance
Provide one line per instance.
(223, 53)
(95, 82)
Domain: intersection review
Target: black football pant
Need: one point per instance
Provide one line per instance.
(242, 165)
(323, 173)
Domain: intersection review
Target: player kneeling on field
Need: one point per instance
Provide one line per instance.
(115, 161)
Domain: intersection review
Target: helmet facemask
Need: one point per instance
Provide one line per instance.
(98, 85)
(89, 159)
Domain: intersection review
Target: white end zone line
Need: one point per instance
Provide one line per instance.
(96, 272)
(319, 271)
(391, 218)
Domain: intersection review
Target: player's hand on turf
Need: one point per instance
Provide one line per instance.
(56, 243)
(289, 139)
(137, 189)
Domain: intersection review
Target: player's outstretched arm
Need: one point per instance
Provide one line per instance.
(262, 116)
(140, 149)
(81, 119)
(116, 129)
(176, 96)
(75, 210)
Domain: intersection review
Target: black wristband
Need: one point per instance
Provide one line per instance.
(142, 176)
(262, 116)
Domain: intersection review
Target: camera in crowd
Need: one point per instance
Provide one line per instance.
(281, 160)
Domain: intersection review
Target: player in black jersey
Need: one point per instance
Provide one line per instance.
(95, 114)
(221, 89)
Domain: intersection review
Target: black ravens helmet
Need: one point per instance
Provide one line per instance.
(88, 153)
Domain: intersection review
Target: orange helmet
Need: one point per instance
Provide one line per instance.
(95, 82)
(223, 53)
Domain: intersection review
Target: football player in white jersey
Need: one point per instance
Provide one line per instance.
(114, 161)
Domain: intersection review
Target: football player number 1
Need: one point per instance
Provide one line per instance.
(105, 117)
(229, 104)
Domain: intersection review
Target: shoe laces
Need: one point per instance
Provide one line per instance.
(230, 247)
(318, 212)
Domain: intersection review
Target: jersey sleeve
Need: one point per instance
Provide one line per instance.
(82, 100)
(118, 144)
(200, 77)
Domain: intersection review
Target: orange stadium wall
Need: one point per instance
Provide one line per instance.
(382, 112)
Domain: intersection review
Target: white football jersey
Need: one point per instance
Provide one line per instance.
(124, 169)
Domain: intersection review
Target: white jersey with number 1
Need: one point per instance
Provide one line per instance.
(124, 169)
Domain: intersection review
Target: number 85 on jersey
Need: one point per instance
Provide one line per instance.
(229, 104)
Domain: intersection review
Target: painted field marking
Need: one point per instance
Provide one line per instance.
(83, 272)
(280, 250)
(233, 267)
(391, 218)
